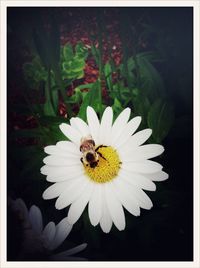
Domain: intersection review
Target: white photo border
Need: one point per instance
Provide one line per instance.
(3, 130)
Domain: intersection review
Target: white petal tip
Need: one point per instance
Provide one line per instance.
(94, 223)
(150, 207)
(71, 221)
(61, 126)
(106, 231)
(139, 118)
(84, 245)
(121, 228)
(45, 160)
(42, 171)
(166, 177)
(152, 188)
(58, 206)
(162, 149)
(45, 196)
(89, 109)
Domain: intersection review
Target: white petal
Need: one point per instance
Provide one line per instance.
(146, 166)
(115, 208)
(56, 151)
(56, 174)
(54, 160)
(49, 234)
(120, 124)
(105, 127)
(128, 201)
(143, 200)
(80, 125)
(106, 221)
(68, 147)
(95, 205)
(73, 191)
(137, 139)
(129, 129)
(138, 180)
(141, 153)
(35, 217)
(77, 207)
(93, 123)
(159, 176)
(65, 177)
(71, 133)
(62, 256)
(63, 228)
(51, 149)
(55, 190)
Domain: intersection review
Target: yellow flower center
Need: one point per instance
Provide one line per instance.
(107, 167)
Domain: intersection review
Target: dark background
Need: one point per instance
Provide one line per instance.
(166, 232)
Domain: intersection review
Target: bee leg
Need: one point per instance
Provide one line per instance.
(101, 155)
(100, 146)
(81, 160)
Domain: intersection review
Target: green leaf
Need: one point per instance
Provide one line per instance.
(121, 92)
(152, 83)
(77, 64)
(57, 134)
(81, 50)
(55, 99)
(108, 75)
(96, 53)
(34, 73)
(79, 95)
(68, 52)
(91, 98)
(127, 70)
(73, 68)
(117, 107)
(141, 108)
(90, 85)
(160, 119)
(48, 109)
(151, 56)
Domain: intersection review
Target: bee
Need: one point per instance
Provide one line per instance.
(90, 153)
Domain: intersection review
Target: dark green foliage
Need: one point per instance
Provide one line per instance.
(91, 98)
(34, 73)
(160, 119)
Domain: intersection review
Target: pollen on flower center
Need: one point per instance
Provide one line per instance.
(107, 168)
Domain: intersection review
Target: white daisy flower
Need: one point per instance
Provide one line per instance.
(43, 241)
(103, 165)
